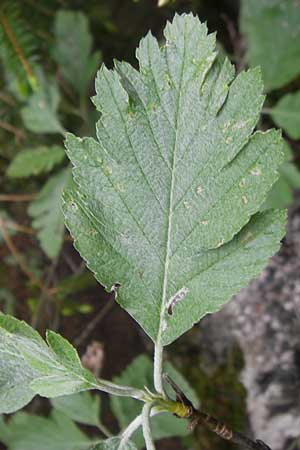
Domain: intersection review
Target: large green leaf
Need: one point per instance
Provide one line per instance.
(164, 201)
(30, 432)
(140, 373)
(72, 51)
(272, 31)
(286, 114)
(47, 215)
(34, 162)
(30, 366)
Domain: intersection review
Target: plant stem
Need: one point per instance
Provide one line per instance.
(7, 99)
(184, 409)
(15, 253)
(131, 428)
(146, 426)
(17, 227)
(18, 50)
(94, 322)
(266, 111)
(19, 134)
(45, 295)
(17, 197)
(135, 425)
(158, 368)
(121, 391)
(104, 430)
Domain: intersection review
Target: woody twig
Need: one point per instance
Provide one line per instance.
(197, 417)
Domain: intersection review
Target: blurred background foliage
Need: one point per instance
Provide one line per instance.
(50, 51)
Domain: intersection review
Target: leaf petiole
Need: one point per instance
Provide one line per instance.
(146, 414)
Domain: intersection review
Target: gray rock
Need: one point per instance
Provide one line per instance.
(265, 320)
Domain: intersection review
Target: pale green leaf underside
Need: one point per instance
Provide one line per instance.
(28, 366)
(15, 377)
(34, 162)
(166, 197)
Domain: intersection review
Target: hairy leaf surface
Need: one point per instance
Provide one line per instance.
(166, 198)
(15, 376)
(114, 443)
(30, 366)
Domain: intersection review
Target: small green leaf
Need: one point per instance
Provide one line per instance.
(165, 200)
(30, 432)
(272, 32)
(72, 51)
(140, 373)
(46, 213)
(34, 162)
(291, 174)
(114, 443)
(280, 196)
(49, 370)
(82, 407)
(30, 367)
(286, 114)
(40, 113)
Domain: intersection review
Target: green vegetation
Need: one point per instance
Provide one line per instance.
(175, 201)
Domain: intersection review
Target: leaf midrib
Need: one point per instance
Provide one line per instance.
(170, 211)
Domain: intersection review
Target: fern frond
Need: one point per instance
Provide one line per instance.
(17, 46)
